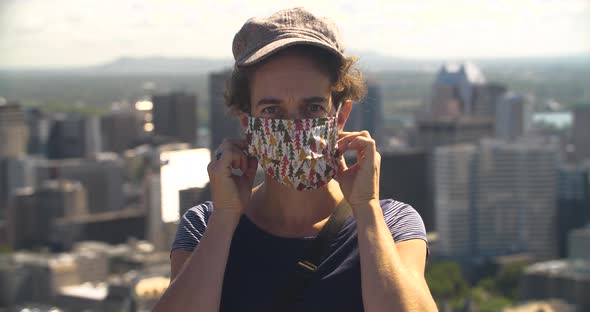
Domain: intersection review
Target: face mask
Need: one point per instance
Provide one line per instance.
(301, 153)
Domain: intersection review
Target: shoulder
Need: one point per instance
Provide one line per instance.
(198, 214)
(192, 226)
(403, 220)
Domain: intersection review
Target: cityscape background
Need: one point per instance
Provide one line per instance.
(109, 111)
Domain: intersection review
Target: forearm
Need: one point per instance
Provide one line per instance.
(386, 284)
(198, 285)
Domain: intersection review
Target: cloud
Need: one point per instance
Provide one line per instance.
(37, 33)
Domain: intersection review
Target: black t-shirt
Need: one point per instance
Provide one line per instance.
(259, 262)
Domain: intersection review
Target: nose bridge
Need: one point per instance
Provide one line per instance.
(292, 110)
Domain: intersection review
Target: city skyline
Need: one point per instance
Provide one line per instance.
(34, 34)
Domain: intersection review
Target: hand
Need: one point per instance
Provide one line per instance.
(360, 182)
(231, 192)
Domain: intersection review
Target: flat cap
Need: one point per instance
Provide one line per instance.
(261, 37)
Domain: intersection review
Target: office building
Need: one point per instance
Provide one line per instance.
(73, 136)
(496, 198)
(579, 244)
(101, 175)
(568, 280)
(581, 131)
(513, 115)
(175, 117)
(222, 124)
(34, 211)
(452, 203)
(14, 132)
(193, 196)
(38, 123)
(121, 130)
(406, 176)
(573, 192)
(432, 133)
(453, 90)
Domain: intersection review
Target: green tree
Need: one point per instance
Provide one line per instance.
(447, 284)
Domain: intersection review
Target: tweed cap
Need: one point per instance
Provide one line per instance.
(261, 37)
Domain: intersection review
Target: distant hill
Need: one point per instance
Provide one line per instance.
(369, 61)
(161, 65)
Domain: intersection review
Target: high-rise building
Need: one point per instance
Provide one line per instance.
(573, 194)
(496, 198)
(579, 244)
(222, 124)
(513, 115)
(462, 90)
(101, 175)
(120, 130)
(175, 116)
(38, 123)
(432, 133)
(453, 90)
(568, 280)
(13, 131)
(581, 131)
(191, 197)
(14, 173)
(485, 98)
(514, 199)
(368, 113)
(405, 176)
(452, 203)
(73, 136)
(33, 212)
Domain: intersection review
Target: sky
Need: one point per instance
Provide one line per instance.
(67, 33)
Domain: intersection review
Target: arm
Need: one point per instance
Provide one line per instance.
(198, 285)
(197, 280)
(392, 275)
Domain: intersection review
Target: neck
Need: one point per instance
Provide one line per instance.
(283, 211)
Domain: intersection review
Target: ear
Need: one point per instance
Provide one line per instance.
(344, 113)
(243, 120)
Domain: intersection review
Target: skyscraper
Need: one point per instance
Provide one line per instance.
(120, 130)
(405, 176)
(452, 203)
(73, 136)
(573, 194)
(496, 198)
(34, 210)
(13, 131)
(513, 115)
(368, 113)
(38, 123)
(435, 132)
(581, 130)
(175, 116)
(102, 176)
(222, 124)
(453, 92)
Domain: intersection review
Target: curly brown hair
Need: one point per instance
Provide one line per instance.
(347, 80)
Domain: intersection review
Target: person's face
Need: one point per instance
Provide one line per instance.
(290, 86)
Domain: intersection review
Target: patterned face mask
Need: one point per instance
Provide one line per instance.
(300, 153)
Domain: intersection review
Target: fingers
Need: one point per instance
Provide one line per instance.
(359, 141)
(232, 155)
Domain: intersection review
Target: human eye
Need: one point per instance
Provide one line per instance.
(314, 110)
(270, 110)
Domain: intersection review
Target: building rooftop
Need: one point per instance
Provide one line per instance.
(454, 74)
(571, 269)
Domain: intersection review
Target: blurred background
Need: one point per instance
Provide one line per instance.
(109, 111)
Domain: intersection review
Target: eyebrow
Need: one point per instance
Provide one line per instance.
(308, 100)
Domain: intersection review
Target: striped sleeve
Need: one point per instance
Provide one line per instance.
(191, 227)
(403, 221)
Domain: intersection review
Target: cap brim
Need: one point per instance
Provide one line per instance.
(275, 46)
